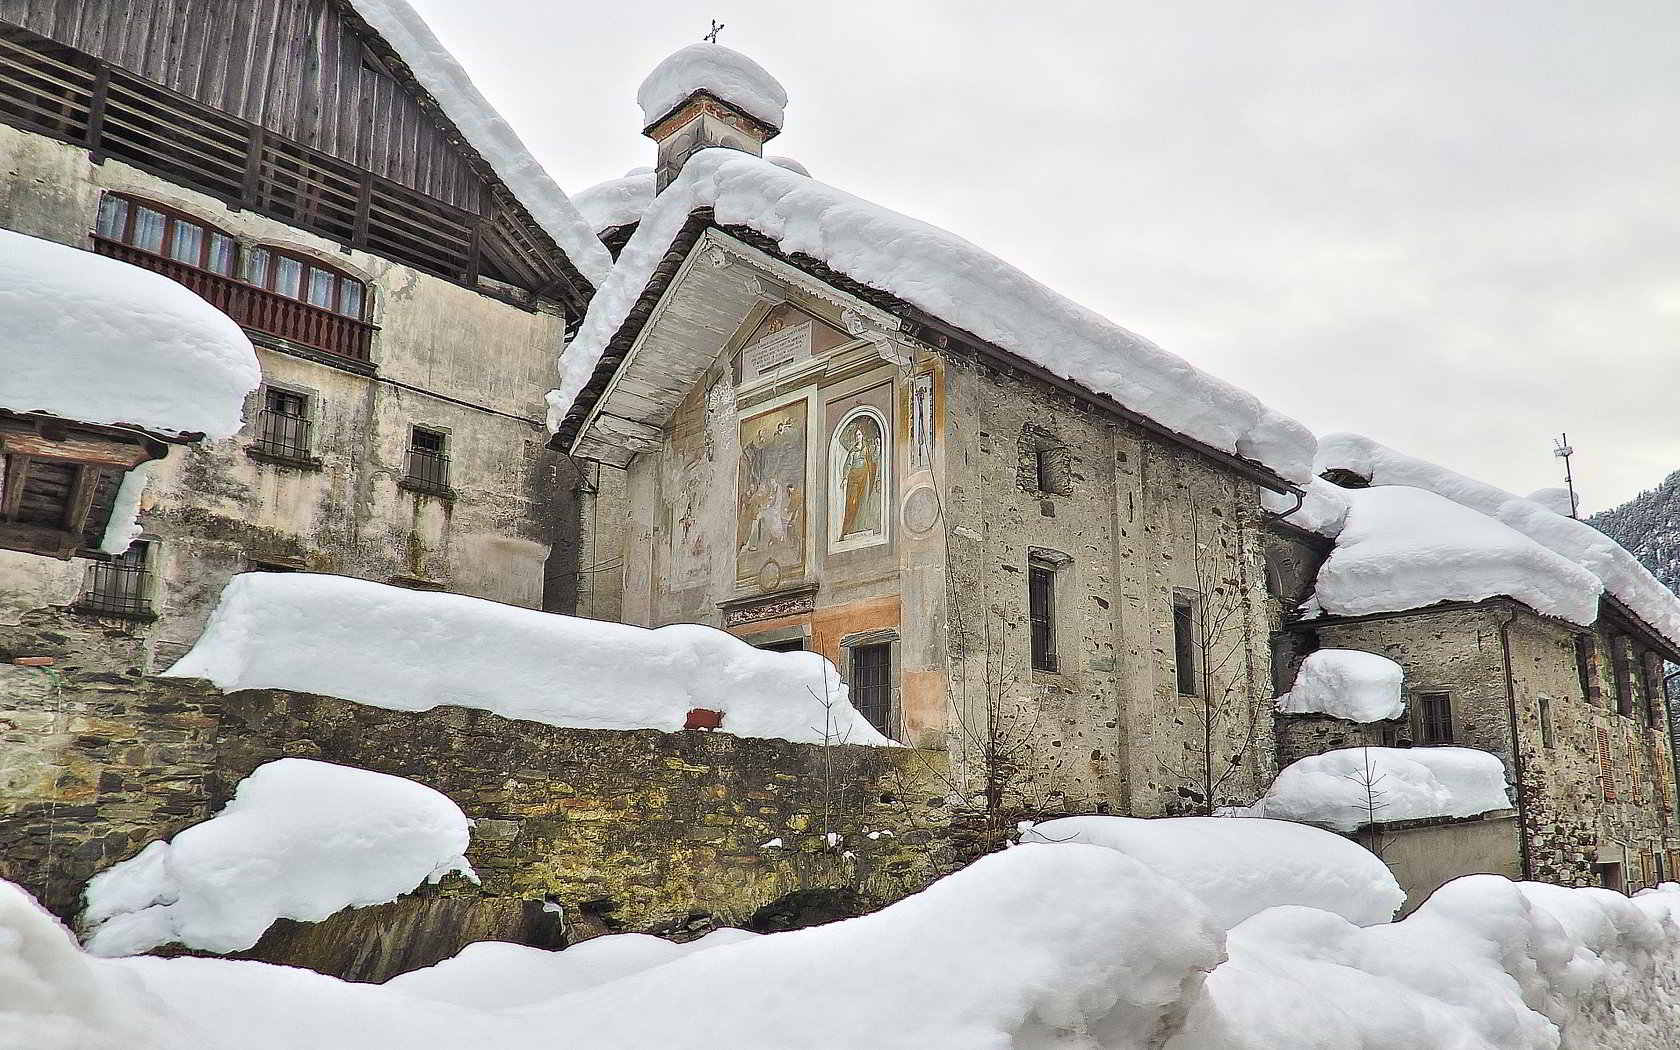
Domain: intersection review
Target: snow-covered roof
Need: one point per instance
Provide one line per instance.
(1351, 787)
(1618, 571)
(1346, 683)
(488, 133)
(300, 839)
(92, 339)
(617, 202)
(1403, 548)
(945, 276)
(361, 641)
(717, 70)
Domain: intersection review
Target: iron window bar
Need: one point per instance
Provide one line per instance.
(119, 587)
(428, 470)
(282, 434)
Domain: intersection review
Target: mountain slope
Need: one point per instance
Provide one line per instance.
(1649, 526)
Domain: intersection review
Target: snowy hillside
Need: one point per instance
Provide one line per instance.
(1649, 526)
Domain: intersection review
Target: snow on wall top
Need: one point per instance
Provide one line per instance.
(722, 71)
(488, 133)
(617, 202)
(1347, 683)
(361, 641)
(1618, 571)
(1351, 787)
(300, 839)
(92, 339)
(946, 276)
(1405, 548)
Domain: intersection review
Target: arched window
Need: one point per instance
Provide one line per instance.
(166, 232)
(306, 280)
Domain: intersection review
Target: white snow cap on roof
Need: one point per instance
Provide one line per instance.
(1412, 783)
(946, 276)
(617, 202)
(490, 135)
(1620, 572)
(300, 839)
(1346, 683)
(88, 338)
(719, 70)
(1405, 548)
(790, 164)
(362, 641)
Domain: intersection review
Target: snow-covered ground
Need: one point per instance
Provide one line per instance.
(1047, 945)
(92, 339)
(362, 641)
(949, 278)
(300, 839)
(1347, 683)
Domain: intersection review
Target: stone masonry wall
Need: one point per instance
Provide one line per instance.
(579, 832)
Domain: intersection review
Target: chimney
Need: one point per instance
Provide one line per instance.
(708, 95)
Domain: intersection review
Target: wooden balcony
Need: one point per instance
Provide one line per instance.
(256, 308)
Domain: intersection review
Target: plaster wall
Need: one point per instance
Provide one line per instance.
(447, 358)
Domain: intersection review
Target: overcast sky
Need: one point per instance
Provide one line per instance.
(1451, 226)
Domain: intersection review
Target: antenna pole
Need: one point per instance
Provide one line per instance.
(1562, 451)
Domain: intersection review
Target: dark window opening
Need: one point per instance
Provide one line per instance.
(121, 586)
(791, 645)
(1547, 738)
(428, 459)
(1046, 465)
(1041, 614)
(283, 425)
(1435, 718)
(872, 684)
(1586, 666)
(1184, 646)
(1623, 674)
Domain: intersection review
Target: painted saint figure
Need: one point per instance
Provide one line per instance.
(860, 479)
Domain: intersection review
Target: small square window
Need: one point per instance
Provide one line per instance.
(428, 459)
(121, 586)
(283, 425)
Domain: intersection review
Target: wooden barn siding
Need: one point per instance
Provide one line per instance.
(292, 66)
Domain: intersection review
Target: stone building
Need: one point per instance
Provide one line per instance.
(1567, 695)
(1020, 532)
(403, 267)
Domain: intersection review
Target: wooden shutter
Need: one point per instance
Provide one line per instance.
(1648, 868)
(1606, 769)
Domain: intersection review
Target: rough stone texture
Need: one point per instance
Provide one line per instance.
(645, 831)
(1107, 731)
(449, 359)
(1568, 825)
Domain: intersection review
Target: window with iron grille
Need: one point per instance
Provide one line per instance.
(1435, 719)
(121, 586)
(1041, 614)
(428, 459)
(1184, 646)
(283, 425)
(872, 684)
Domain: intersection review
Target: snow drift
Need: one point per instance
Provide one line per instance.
(617, 202)
(1347, 683)
(300, 839)
(1404, 784)
(949, 278)
(88, 338)
(363, 641)
(1044, 947)
(1236, 868)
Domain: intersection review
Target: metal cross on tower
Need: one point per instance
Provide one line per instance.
(717, 27)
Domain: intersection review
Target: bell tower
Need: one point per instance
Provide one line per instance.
(708, 95)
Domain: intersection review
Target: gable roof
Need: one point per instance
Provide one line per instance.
(937, 275)
(437, 73)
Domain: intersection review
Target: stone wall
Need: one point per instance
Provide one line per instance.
(579, 832)
(1107, 730)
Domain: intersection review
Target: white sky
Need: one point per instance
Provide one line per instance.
(1451, 226)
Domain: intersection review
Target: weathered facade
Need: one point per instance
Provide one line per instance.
(1067, 596)
(1574, 713)
(406, 308)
